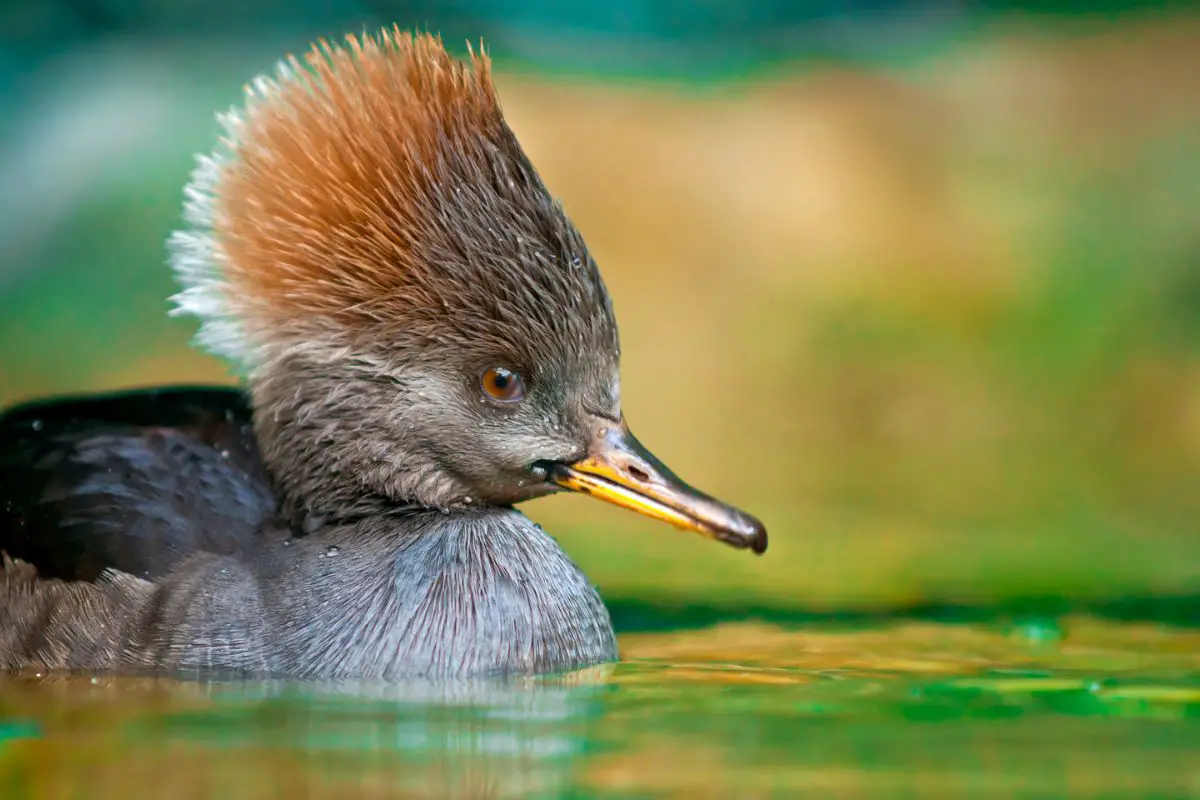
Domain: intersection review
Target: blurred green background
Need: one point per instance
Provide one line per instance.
(917, 282)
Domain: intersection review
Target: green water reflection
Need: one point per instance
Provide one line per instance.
(1107, 710)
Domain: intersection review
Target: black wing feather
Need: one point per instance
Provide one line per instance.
(133, 481)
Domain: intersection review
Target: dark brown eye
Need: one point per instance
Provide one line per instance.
(503, 385)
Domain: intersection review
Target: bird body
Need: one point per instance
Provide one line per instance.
(425, 341)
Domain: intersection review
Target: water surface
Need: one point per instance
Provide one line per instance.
(1035, 708)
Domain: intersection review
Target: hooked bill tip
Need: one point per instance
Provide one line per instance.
(752, 535)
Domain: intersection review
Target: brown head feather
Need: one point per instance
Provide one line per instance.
(376, 187)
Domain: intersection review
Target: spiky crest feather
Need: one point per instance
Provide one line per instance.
(375, 184)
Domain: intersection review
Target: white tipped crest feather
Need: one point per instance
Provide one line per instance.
(195, 254)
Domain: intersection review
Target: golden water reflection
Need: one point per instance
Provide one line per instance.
(735, 710)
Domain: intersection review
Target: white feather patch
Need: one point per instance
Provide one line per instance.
(195, 253)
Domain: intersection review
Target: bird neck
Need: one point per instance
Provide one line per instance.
(325, 465)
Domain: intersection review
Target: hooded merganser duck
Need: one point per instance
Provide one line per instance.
(426, 342)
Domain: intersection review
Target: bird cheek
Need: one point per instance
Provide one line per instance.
(551, 446)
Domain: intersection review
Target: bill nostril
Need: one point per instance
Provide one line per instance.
(639, 474)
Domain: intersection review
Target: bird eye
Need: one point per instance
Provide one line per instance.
(503, 385)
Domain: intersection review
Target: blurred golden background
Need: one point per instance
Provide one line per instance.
(935, 317)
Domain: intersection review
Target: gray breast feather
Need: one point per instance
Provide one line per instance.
(427, 594)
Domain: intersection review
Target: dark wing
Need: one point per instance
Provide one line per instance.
(132, 481)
